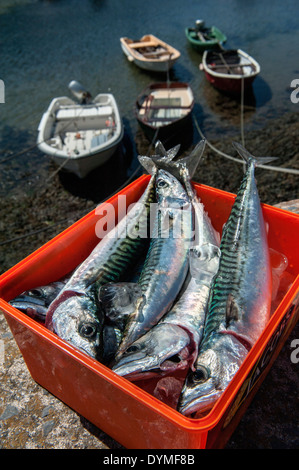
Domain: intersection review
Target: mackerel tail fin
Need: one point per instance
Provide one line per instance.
(167, 155)
(164, 157)
(184, 168)
(190, 163)
(248, 158)
(148, 164)
(119, 300)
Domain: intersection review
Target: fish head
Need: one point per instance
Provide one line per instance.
(159, 351)
(35, 302)
(170, 191)
(204, 385)
(34, 307)
(214, 369)
(75, 321)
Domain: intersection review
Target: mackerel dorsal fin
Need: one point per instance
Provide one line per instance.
(232, 310)
(248, 157)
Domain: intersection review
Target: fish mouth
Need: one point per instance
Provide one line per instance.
(133, 366)
(143, 366)
(34, 308)
(27, 299)
(199, 405)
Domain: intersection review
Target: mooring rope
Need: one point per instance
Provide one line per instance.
(131, 178)
(81, 214)
(292, 171)
(242, 112)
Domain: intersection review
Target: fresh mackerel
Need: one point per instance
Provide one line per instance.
(75, 314)
(166, 264)
(183, 169)
(239, 303)
(117, 300)
(172, 344)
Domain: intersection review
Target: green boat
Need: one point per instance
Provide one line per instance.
(202, 38)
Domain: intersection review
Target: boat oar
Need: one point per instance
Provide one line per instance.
(225, 63)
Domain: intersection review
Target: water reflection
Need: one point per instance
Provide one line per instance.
(262, 91)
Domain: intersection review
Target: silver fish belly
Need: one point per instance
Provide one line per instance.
(240, 299)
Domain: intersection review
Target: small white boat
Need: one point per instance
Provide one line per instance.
(150, 53)
(80, 136)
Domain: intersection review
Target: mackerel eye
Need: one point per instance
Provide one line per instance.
(133, 348)
(162, 184)
(88, 330)
(200, 375)
(36, 292)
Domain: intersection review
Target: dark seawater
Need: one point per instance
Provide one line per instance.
(45, 44)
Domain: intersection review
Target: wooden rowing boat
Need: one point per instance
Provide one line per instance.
(163, 111)
(226, 69)
(150, 53)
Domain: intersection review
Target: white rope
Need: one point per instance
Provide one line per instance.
(229, 157)
(242, 111)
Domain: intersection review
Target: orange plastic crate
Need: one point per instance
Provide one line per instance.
(122, 409)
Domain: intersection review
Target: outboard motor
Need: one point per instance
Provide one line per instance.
(79, 92)
(199, 25)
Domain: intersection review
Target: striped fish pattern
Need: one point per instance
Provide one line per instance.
(172, 344)
(240, 299)
(166, 264)
(112, 257)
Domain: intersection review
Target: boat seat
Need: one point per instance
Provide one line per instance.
(83, 112)
(169, 113)
(55, 142)
(136, 45)
(76, 143)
